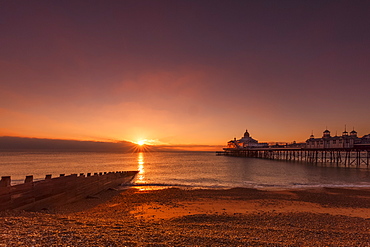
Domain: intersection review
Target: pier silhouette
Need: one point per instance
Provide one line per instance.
(345, 150)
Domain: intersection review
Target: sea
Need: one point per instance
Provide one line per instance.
(184, 169)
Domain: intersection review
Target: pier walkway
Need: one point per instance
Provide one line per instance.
(358, 156)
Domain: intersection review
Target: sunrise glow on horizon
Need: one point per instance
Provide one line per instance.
(141, 142)
(183, 72)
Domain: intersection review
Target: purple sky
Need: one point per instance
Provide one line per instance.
(183, 72)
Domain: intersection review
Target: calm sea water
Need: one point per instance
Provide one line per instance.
(194, 169)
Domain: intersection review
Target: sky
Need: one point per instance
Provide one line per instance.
(183, 72)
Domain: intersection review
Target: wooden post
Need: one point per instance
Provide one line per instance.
(5, 181)
(358, 158)
(29, 179)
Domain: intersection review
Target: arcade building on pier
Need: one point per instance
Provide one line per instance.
(346, 140)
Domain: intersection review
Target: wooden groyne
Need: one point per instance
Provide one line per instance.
(57, 191)
(347, 157)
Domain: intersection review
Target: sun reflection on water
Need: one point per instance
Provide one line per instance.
(140, 167)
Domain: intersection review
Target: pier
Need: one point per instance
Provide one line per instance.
(347, 150)
(347, 157)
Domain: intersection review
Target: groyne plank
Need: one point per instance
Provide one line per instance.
(58, 191)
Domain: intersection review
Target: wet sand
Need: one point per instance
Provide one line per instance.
(176, 217)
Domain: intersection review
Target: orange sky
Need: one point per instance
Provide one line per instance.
(183, 72)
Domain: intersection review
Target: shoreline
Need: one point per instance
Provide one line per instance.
(202, 217)
(261, 188)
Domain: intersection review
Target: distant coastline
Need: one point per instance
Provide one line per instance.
(20, 144)
(10, 143)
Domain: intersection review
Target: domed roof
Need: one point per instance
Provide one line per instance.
(326, 131)
(353, 131)
(246, 134)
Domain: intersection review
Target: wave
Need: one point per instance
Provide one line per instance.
(307, 186)
(260, 186)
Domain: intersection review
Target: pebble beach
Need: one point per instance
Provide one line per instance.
(198, 217)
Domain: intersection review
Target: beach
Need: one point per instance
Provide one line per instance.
(198, 217)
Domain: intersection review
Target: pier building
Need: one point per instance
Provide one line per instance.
(246, 142)
(346, 140)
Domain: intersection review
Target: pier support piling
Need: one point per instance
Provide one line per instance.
(347, 157)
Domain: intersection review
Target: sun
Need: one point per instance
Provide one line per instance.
(141, 142)
(141, 145)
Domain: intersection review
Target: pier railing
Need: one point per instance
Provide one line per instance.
(57, 191)
(357, 157)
